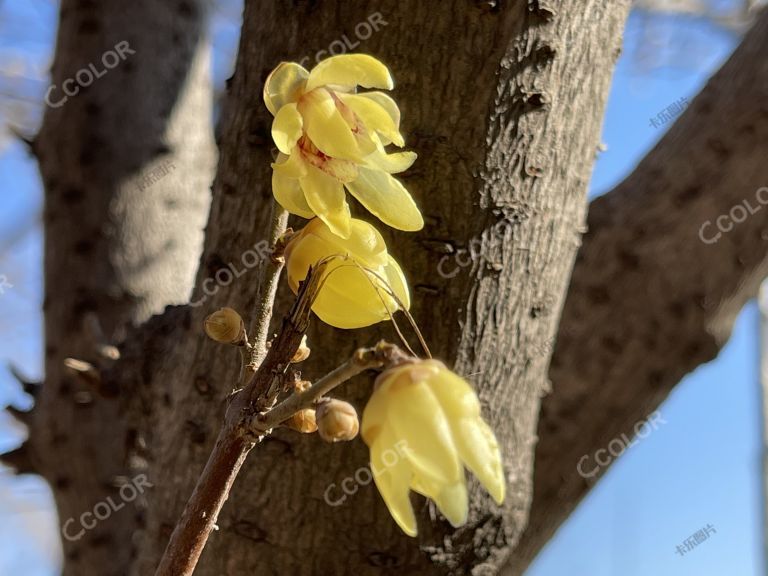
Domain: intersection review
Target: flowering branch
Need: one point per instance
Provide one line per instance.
(330, 138)
(235, 440)
(250, 418)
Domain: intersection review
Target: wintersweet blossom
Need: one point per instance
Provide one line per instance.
(331, 138)
(356, 288)
(432, 416)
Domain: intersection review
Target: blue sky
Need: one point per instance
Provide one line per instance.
(701, 467)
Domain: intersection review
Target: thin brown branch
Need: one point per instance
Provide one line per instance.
(200, 514)
(236, 438)
(383, 354)
(269, 286)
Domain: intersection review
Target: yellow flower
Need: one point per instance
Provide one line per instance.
(354, 293)
(423, 425)
(331, 138)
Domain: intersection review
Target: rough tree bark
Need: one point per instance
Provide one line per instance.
(502, 148)
(503, 102)
(126, 164)
(655, 290)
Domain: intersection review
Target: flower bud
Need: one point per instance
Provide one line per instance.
(336, 421)
(225, 326)
(302, 353)
(301, 385)
(303, 421)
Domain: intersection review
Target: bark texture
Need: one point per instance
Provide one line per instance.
(503, 103)
(655, 289)
(126, 164)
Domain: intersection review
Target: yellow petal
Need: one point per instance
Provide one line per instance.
(284, 85)
(374, 116)
(349, 70)
(364, 136)
(326, 127)
(416, 417)
(387, 199)
(480, 452)
(342, 170)
(387, 103)
(392, 476)
(325, 196)
(349, 300)
(290, 165)
(397, 283)
(451, 499)
(455, 395)
(374, 416)
(391, 163)
(289, 194)
(287, 128)
(365, 244)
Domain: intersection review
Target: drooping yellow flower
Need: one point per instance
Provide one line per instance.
(331, 138)
(354, 293)
(423, 425)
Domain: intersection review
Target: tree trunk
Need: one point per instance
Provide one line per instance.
(126, 164)
(503, 103)
(671, 257)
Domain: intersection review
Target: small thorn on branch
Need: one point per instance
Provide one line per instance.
(91, 376)
(85, 371)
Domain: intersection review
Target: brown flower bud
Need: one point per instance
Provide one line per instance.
(303, 421)
(226, 326)
(301, 385)
(302, 353)
(336, 420)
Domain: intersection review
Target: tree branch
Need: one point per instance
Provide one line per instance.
(246, 425)
(655, 289)
(363, 359)
(269, 285)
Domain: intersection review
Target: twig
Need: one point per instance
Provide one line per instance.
(200, 514)
(269, 284)
(383, 354)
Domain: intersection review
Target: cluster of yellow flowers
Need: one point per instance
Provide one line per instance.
(331, 138)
